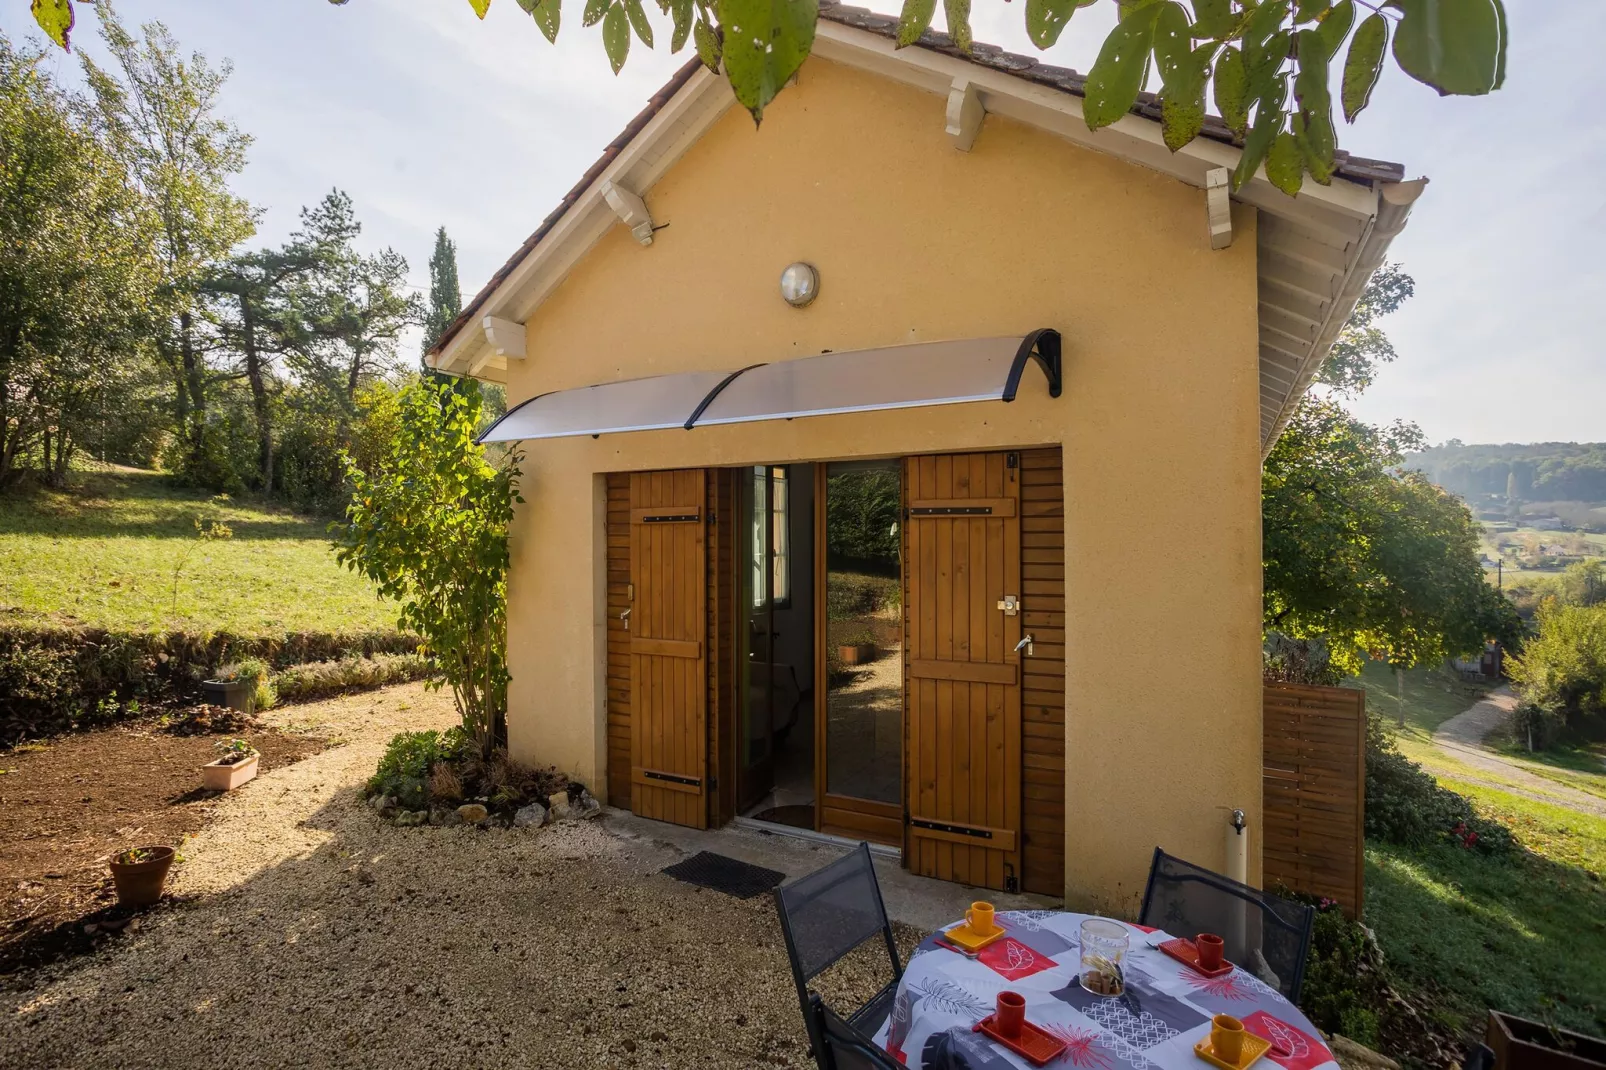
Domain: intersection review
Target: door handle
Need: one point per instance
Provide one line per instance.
(1026, 645)
(625, 616)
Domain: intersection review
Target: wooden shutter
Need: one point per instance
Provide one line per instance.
(963, 726)
(668, 648)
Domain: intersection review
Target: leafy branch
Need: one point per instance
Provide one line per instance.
(1266, 64)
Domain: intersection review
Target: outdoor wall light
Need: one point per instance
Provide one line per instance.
(800, 284)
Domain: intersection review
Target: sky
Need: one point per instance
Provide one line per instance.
(429, 117)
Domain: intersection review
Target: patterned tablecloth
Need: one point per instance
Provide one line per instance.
(1165, 1011)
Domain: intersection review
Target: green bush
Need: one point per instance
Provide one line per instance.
(59, 679)
(321, 679)
(404, 768)
(1407, 806)
(866, 504)
(1345, 989)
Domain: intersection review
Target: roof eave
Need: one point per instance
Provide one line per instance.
(1316, 250)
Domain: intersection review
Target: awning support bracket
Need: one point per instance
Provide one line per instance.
(1043, 346)
(702, 406)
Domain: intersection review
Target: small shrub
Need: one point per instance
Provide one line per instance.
(447, 768)
(1537, 727)
(233, 751)
(444, 785)
(1344, 989)
(1407, 806)
(322, 679)
(256, 673)
(409, 758)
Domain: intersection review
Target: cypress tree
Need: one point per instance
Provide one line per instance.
(445, 299)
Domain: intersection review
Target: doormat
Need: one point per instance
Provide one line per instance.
(729, 875)
(798, 816)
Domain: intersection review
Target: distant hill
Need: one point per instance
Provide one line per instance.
(1544, 471)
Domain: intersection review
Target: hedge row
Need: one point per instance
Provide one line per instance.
(57, 679)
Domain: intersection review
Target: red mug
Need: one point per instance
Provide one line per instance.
(1011, 1014)
(1210, 950)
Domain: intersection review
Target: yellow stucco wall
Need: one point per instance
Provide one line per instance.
(917, 241)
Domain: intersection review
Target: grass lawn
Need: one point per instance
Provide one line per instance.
(1577, 766)
(1433, 694)
(105, 552)
(1526, 935)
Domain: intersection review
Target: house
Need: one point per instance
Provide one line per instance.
(836, 433)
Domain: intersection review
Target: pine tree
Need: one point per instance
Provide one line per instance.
(445, 299)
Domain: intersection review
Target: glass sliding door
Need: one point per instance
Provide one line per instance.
(776, 755)
(862, 734)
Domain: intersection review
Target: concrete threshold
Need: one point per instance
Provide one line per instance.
(921, 902)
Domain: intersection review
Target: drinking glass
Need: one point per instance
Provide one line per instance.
(1104, 947)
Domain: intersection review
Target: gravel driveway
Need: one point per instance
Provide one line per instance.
(319, 937)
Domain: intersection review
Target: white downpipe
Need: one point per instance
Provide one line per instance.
(1238, 870)
(1238, 847)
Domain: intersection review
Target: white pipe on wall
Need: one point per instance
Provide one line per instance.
(1238, 847)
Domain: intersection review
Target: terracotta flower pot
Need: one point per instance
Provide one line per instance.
(139, 884)
(217, 776)
(856, 653)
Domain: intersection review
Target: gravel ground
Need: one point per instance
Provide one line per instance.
(320, 937)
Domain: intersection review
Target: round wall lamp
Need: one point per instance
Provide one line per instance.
(800, 284)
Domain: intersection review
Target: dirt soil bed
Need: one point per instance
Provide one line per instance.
(316, 935)
(68, 804)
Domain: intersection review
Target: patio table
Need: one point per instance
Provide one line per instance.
(1164, 1012)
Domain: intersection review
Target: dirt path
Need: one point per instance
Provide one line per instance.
(1462, 736)
(318, 936)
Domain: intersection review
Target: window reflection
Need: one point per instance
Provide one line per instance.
(864, 630)
(772, 501)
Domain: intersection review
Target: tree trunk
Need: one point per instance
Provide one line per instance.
(259, 394)
(64, 452)
(193, 378)
(351, 379)
(8, 439)
(1399, 692)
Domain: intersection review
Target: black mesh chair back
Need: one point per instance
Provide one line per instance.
(1266, 935)
(824, 916)
(842, 1047)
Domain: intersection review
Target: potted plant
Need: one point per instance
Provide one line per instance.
(236, 764)
(857, 648)
(1523, 1044)
(140, 873)
(237, 686)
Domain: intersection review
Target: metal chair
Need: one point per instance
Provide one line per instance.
(842, 1047)
(1266, 935)
(824, 916)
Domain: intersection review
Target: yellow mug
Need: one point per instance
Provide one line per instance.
(980, 918)
(1227, 1038)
